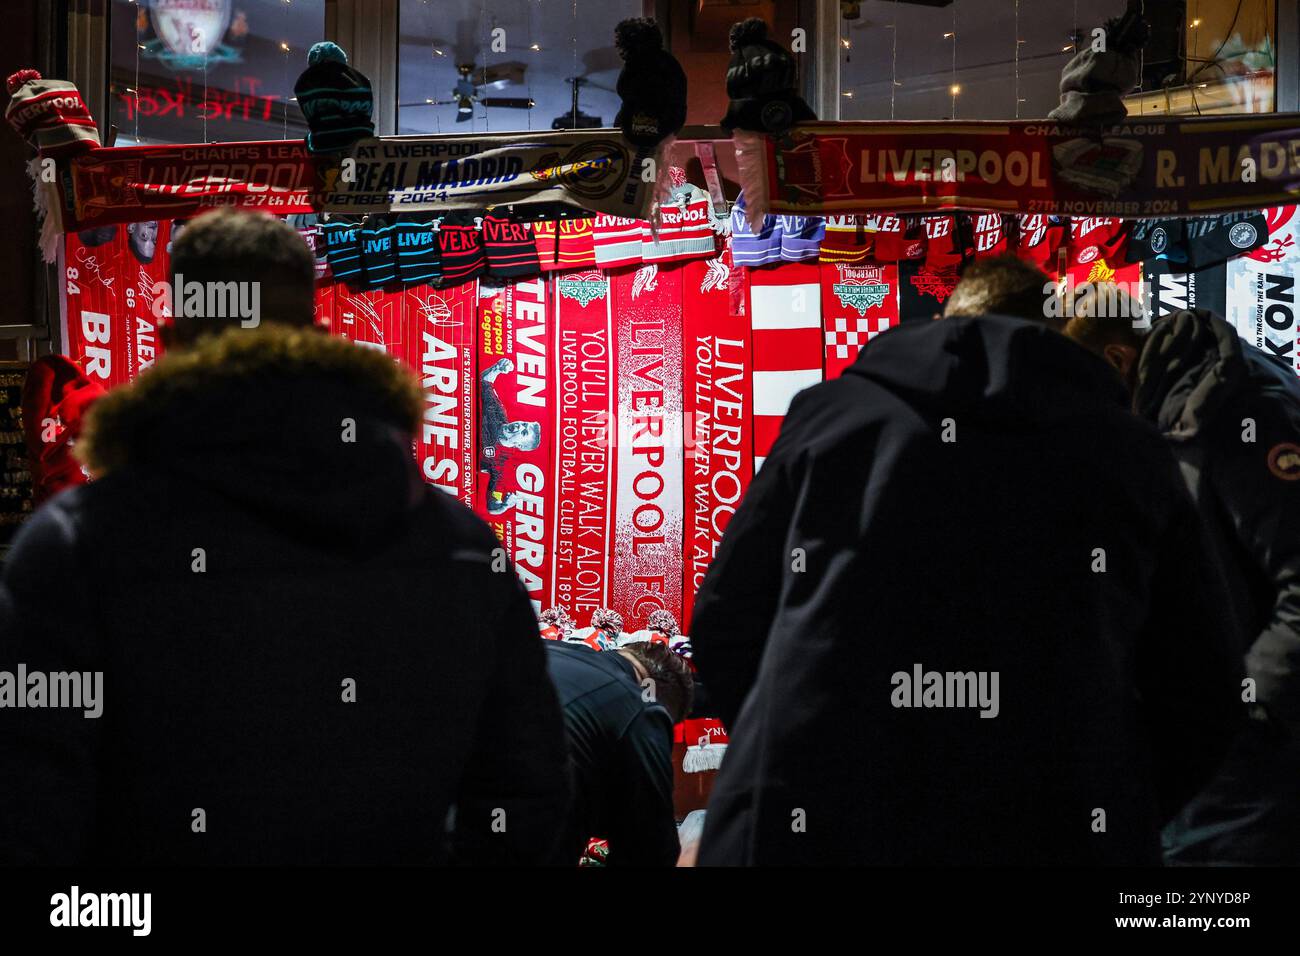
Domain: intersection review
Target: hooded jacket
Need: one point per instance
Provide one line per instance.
(1231, 414)
(971, 497)
(306, 655)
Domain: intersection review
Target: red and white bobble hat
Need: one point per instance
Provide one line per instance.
(50, 115)
(661, 628)
(605, 633)
(555, 624)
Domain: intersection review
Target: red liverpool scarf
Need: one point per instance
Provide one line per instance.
(516, 429)
(97, 276)
(718, 413)
(439, 327)
(858, 303)
(785, 315)
(647, 573)
(147, 293)
(582, 493)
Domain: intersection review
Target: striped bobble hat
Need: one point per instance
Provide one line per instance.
(336, 100)
(50, 115)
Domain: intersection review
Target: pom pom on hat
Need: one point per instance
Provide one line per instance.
(325, 51)
(604, 619)
(747, 32)
(18, 79)
(637, 36)
(663, 622)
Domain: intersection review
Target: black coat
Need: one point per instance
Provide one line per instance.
(620, 757)
(868, 544)
(326, 561)
(1206, 389)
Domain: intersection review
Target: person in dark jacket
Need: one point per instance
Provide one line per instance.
(619, 710)
(1231, 414)
(962, 616)
(307, 657)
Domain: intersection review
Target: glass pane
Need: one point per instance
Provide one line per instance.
(525, 50)
(194, 71)
(998, 59)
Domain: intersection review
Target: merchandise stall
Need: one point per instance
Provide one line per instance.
(609, 333)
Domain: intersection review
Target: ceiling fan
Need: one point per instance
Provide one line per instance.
(575, 118)
(473, 81)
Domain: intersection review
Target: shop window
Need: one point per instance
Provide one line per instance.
(478, 66)
(193, 71)
(1001, 59)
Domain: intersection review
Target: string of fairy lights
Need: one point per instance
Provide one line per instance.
(535, 14)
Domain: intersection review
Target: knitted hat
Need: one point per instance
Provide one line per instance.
(335, 99)
(50, 114)
(607, 620)
(603, 635)
(460, 249)
(1093, 83)
(761, 82)
(652, 84)
(662, 626)
(379, 251)
(555, 624)
(510, 248)
(343, 249)
(418, 262)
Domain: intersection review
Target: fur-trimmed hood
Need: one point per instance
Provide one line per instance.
(1191, 364)
(308, 429)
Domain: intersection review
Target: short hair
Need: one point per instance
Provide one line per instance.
(674, 686)
(1095, 332)
(1003, 285)
(230, 245)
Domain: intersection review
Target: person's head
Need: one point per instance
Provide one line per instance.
(525, 436)
(1113, 338)
(178, 226)
(143, 239)
(1002, 286)
(673, 685)
(244, 256)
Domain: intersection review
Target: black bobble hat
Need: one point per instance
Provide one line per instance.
(652, 84)
(761, 81)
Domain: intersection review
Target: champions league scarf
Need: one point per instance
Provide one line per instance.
(516, 415)
(439, 329)
(582, 492)
(647, 553)
(858, 303)
(717, 416)
(594, 170)
(134, 183)
(1170, 167)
